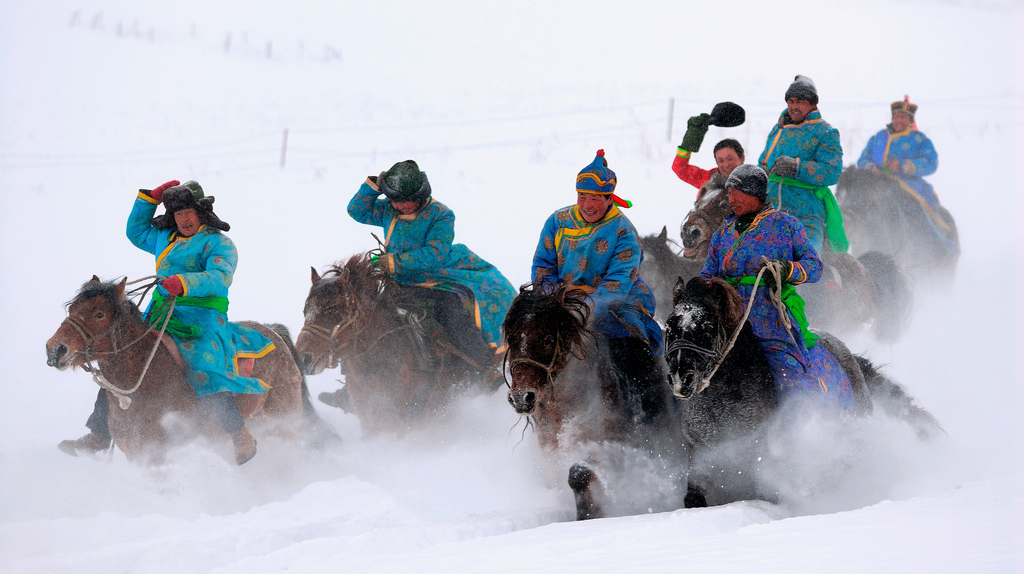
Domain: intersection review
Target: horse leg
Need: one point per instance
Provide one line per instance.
(581, 481)
(695, 496)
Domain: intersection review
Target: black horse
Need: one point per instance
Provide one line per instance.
(882, 215)
(728, 421)
(622, 431)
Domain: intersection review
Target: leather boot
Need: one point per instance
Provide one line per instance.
(338, 399)
(91, 443)
(245, 446)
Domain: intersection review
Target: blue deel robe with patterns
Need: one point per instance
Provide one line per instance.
(816, 144)
(799, 372)
(914, 151)
(604, 259)
(205, 263)
(420, 252)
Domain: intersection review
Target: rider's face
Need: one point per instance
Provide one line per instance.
(900, 121)
(727, 160)
(187, 221)
(798, 109)
(405, 207)
(593, 206)
(742, 204)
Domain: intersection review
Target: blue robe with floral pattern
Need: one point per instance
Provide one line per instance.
(798, 371)
(205, 263)
(915, 153)
(420, 252)
(815, 143)
(603, 259)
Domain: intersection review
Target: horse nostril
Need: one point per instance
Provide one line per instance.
(530, 399)
(54, 355)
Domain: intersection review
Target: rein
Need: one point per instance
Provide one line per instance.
(548, 368)
(705, 380)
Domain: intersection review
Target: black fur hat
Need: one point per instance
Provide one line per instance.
(188, 195)
(405, 182)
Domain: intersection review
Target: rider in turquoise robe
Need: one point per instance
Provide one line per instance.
(420, 252)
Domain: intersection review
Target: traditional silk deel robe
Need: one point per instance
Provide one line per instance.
(603, 259)
(420, 252)
(806, 195)
(733, 255)
(214, 350)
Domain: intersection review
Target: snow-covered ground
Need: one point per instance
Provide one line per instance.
(502, 104)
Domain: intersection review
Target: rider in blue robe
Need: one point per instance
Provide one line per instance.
(800, 366)
(804, 157)
(418, 239)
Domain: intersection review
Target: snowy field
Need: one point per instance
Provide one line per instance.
(280, 110)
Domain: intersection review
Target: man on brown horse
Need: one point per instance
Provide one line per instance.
(197, 261)
(468, 296)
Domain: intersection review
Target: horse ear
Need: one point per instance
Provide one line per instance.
(95, 278)
(119, 290)
(678, 290)
(663, 236)
(313, 274)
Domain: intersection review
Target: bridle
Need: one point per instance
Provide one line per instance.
(88, 338)
(550, 370)
(330, 336)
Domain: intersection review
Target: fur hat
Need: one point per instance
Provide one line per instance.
(904, 105)
(405, 182)
(803, 88)
(188, 195)
(750, 179)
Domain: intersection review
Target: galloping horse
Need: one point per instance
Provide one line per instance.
(585, 411)
(660, 268)
(399, 371)
(145, 378)
(882, 214)
(871, 290)
(729, 396)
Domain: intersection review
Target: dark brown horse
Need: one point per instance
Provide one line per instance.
(624, 438)
(882, 215)
(400, 368)
(870, 291)
(105, 327)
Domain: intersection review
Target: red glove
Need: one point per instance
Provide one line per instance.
(158, 193)
(173, 285)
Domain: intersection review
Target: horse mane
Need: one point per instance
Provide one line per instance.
(110, 291)
(563, 308)
(721, 295)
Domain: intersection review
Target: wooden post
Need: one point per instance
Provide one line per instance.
(284, 145)
(671, 112)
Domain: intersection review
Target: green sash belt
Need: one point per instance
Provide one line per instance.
(791, 299)
(176, 327)
(834, 229)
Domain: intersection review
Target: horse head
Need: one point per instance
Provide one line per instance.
(543, 328)
(95, 320)
(334, 311)
(707, 215)
(695, 333)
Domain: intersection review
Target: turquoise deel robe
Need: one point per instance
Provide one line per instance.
(798, 371)
(205, 264)
(915, 153)
(604, 259)
(806, 196)
(420, 252)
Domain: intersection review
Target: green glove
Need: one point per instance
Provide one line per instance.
(697, 127)
(379, 261)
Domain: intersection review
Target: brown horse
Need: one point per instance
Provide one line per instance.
(400, 367)
(870, 291)
(623, 432)
(105, 327)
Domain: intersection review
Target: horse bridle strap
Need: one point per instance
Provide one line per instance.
(548, 369)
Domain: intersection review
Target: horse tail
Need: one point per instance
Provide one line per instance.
(892, 293)
(894, 401)
(321, 432)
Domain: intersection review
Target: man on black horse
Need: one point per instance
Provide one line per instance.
(467, 296)
(592, 246)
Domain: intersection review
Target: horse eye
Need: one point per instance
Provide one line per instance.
(99, 315)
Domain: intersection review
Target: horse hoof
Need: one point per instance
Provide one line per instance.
(245, 446)
(92, 443)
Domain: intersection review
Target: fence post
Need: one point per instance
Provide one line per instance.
(671, 112)
(284, 145)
